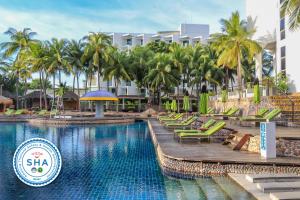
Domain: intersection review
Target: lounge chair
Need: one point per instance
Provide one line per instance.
(229, 113)
(182, 124)
(267, 117)
(210, 110)
(166, 116)
(222, 113)
(202, 134)
(261, 112)
(175, 118)
(205, 126)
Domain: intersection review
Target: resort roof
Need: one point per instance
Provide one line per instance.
(71, 96)
(35, 95)
(100, 95)
(5, 100)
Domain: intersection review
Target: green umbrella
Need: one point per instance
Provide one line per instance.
(174, 105)
(256, 96)
(167, 106)
(186, 103)
(203, 103)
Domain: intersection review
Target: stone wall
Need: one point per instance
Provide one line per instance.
(191, 169)
(247, 106)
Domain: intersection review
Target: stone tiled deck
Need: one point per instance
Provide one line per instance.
(194, 159)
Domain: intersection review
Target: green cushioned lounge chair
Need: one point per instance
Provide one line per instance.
(175, 118)
(228, 113)
(166, 116)
(210, 110)
(202, 134)
(267, 117)
(262, 112)
(222, 113)
(183, 123)
(204, 126)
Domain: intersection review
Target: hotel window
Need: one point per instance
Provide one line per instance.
(282, 24)
(142, 42)
(283, 58)
(185, 43)
(170, 41)
(157, 40)
(128, 83)
(129, 41)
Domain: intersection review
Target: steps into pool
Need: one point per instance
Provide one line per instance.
(270, 186)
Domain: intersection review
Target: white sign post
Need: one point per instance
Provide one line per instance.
(268, 140)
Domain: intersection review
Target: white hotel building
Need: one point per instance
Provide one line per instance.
(188, 34)
(274, 35)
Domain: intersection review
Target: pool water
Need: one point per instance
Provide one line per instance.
(104, 162)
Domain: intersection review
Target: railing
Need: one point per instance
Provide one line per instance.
(291, 101)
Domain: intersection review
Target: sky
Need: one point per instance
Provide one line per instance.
(72, 19)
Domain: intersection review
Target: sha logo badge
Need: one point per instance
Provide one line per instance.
(37, 162)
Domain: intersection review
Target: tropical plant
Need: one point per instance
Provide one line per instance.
(117, 69)
(18, 45)
(233, 42)
(57, 60)
(292, 9)
(96, 53)
(162, 76)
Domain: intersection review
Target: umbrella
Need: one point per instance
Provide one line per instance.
(167, 106)
(203, 101)
(256, 96)
(224, 96)
(174, 105)
(186, 103)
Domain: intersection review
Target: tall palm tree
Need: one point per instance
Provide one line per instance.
(38, 58)
(19, 43)
(57, 60)
(140, 59)
(96, 51)
(118, 69)
(75, 51)
(233, 42)
(292, 9)
(162, 75)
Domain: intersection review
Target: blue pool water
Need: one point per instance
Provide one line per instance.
(104, 162)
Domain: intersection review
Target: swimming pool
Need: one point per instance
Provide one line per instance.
(104, 162)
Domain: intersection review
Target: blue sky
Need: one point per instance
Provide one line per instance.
(75, 18)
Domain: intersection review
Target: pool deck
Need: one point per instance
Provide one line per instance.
(221, 158)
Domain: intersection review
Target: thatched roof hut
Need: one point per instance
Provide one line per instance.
(70, 100)
(35, 95)
(4, 103)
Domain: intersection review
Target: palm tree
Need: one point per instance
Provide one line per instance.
(19, 43)
(140, 59)
(117, 69)
(233, 43)
(96, 51)
(292, 9)
(38, 58)
(75, 51)
(162, 75)
(57, 60)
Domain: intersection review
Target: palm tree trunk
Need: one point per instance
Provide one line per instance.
(178, 99)
(45, 90)
(25, 91)
(17, 90)
(227, 78)
(99, 82)
(239, 74)
(54, 92)
(59, 76)
(78, 89)
(116, 92)
(74, 78)
(41, 89)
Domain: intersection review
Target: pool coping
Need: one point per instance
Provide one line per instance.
(187, 168)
